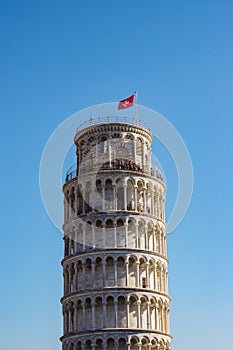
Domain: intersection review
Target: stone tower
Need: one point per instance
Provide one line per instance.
(115, 264)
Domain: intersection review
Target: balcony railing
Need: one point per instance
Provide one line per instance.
(118, 164)
(113, 119)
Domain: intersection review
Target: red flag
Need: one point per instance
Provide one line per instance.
(128, 102)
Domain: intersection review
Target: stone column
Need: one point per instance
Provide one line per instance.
(138, 314)
(75, 318)
(93, 314)
(136, 198)
(84, 237)
(83, 277)
(116, 313)
(93, 237)
(93, 274)
(126, 234)
(137, 240)
(152, 202)
(138, 275)
(70, 320)
(125, 196)
(115, 234)
(147, 275)
(127, 314)
(103, 197)
(114, 198)
(84, 312)
(104, 237)
(104, 273)
(104, 314)
(144, 200)
(148, 316)
(83, 196)
(115, 272)
(156, 316)
(127, 272)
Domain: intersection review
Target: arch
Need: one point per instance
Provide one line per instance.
(143, 278)
(88, 345)
(98, 313)
(141, 234)
(110, 320)
(110, 344)
(121, 272)
(88, 314)
(88, 274)
(130, 195)
(121, 344)
(121, 311)
(132, 234)
(143, 312)
(80, 275)
(98, 272)
(80, 318)
(120, 194)
(120, 233)
(110, 272)
(109, 233)
(133, 312)
(134, 344)
(109, 204)
(99, 239)
(132, 271)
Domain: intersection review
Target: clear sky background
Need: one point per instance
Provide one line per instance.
(58, 57)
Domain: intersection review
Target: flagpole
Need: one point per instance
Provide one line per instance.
(136, 95)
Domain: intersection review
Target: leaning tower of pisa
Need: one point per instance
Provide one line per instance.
(115, 264)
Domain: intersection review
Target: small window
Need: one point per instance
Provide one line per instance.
(143, 282)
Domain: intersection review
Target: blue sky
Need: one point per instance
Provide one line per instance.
(58, 57)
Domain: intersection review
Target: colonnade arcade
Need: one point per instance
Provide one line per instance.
(96, 272)
(115, 232)
(135, 311)
(113, 193)
(119, 342)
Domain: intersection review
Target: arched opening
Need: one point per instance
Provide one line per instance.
(121, 272)
(98, 313)
(110, 318)
(88, 345)
(80, 275)
(141, 235)
(143, 313)
(133, 314)
(80, 315)
(88, 236)
(144, 344)
(88, 314)
(121, 312)
(98, 197)
(109, 233)
(109, 195)
(120, 194)
(98, 273)
(99, 239)
(88, 274)
(142, 274)
(134, 344)
(110, 272)
(130, 195)
(122, 344)
(132, 272)
(120, 233)
(131, 234)
(110, 344)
